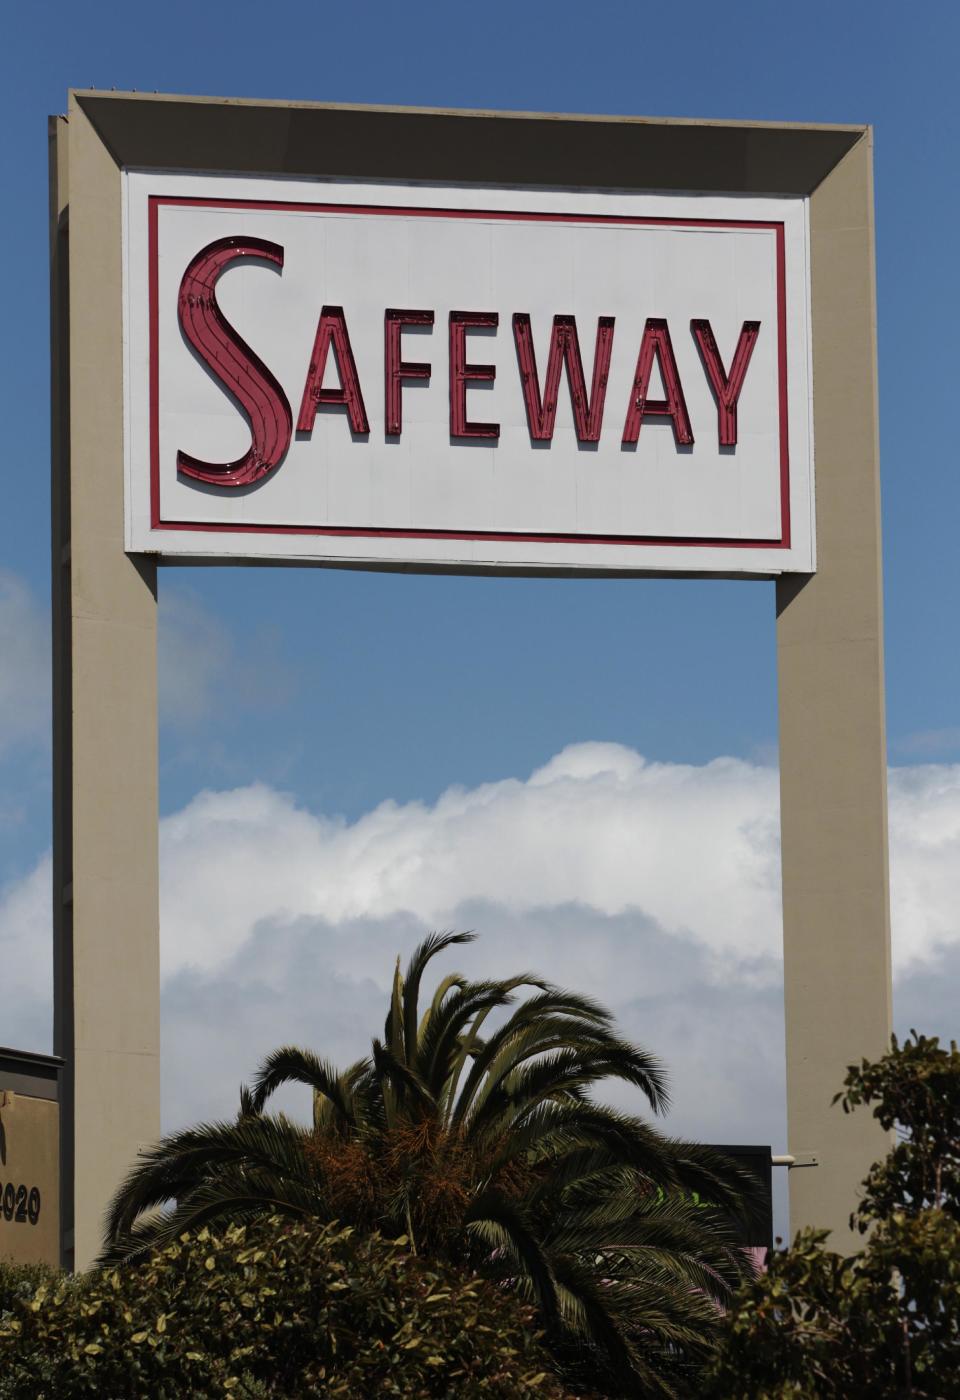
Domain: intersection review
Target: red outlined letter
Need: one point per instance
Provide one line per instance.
(726, 388)
(461, 373)
(396, 370)
(332, 329)
(230, 360)
(656, 341)
(564, 350)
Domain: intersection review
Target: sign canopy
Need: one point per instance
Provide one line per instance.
(466, 377)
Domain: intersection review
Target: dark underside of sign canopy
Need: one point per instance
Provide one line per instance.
(503, 148)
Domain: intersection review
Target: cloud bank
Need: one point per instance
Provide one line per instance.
(653, 886)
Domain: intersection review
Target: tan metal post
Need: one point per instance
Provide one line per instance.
(107, 982)
(833, 781)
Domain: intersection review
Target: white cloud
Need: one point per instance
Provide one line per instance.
(653, 886)
(924, 862)
(694, 848)
(26, 956)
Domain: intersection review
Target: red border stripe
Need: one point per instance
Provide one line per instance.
(154, 286)
(377, 532)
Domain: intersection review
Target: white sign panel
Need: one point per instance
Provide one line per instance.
(406, 375)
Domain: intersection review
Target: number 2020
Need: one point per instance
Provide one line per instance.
(20, 1205)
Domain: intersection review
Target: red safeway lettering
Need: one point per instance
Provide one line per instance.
(332, 330)
(395, 370)
(461, 373)
(230, 360)
(726, 388)
(656, 342)
(564, 350)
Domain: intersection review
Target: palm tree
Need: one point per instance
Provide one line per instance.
(471, 1129)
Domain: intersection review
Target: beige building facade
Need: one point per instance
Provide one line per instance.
(29, 1158)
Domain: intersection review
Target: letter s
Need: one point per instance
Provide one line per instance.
(229, 358)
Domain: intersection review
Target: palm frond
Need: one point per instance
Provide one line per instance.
(436, 1051)
(549, 1131)
(549, 1021)
(291, 1065)
(393, 1029)
(407, 1088)
(589, 1313)
(433, 944)
(502, 1223)
(561, 1074)
(233, 1195)
(179, 1163)
(471, 1044)
(714, 1177)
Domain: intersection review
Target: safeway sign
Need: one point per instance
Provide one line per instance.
(465, 378)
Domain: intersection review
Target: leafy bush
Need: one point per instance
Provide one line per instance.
(270, 1310)
(886, 1322)
(21, 1281)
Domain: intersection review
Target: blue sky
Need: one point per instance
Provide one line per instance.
(345, 691)
(412, 684)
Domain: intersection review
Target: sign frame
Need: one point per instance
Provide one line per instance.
(428, 495)
(829, 625)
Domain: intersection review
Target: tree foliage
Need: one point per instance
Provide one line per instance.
(276, 1309)
(19, 1282)
(886, 1321)
(915, 1093)
(472, 1129)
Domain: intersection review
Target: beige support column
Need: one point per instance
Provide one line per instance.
(107, 1012)
(836, 919)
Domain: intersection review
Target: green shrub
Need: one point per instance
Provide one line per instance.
(272, 1310)
(885, 1321)
(21, 1281)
